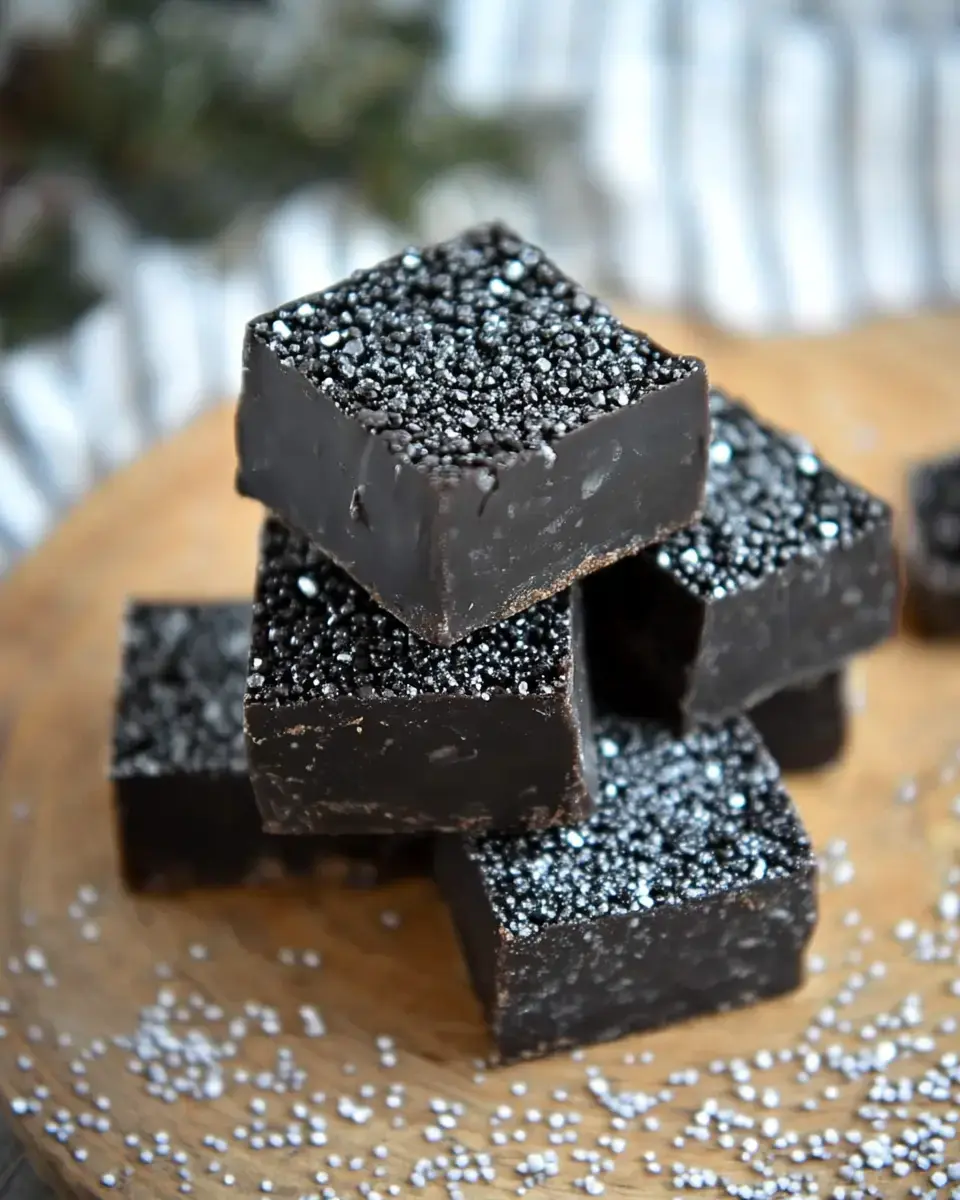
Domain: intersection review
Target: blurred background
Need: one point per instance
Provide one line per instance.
(169, 168)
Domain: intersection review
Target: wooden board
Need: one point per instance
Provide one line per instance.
(172, 527)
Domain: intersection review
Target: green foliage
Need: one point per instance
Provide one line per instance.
(40, 293)
(184, 114)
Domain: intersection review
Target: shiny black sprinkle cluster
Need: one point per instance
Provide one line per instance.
(180, 707)
(677, 820)
(317, 634)
(467, 353)
(769, 500)
(937, 497)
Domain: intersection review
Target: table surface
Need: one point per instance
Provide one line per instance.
(872, 400)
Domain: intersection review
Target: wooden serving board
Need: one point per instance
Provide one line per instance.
(79, 959)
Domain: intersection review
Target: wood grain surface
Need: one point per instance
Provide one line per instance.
(77, 972)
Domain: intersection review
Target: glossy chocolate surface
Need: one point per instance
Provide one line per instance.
(805, 727)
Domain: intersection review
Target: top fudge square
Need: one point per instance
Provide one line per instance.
(466, 431)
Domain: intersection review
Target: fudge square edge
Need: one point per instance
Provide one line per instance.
(356, 725)
(789, 571)
(183, 807)
(692, 889)
(805, 727)
(932, 550)
(465, 430)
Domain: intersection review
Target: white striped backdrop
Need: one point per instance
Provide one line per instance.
(765, 164)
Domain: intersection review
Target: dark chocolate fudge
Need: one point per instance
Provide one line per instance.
(466, 431)
(805, 727)
(690, 890)
(933, 547)
(185, 811)
(788, 573)
(356, 725)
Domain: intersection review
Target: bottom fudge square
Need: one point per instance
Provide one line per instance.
(356, 725)
(185, 811)
(690, 890)
(805, 727)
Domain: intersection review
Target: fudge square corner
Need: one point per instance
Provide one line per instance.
(466, 431)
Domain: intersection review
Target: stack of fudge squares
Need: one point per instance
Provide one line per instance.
(537, 611)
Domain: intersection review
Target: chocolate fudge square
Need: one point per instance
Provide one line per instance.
(789, 572)
(933, 547)
(356, 725)
(185, 811)
(466, 431)
(805, 727)
(690, 890)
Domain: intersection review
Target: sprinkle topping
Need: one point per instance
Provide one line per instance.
(676, 821)
(180, 705)
(769, 500)
(468, 353)
(316, 633)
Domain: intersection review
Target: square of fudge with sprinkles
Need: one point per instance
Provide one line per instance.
(465, 430)
(186, 816)
(355, 724)
(690, 890)
(185, 811)
(789, 572)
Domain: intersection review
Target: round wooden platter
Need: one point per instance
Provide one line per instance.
(80, 959)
